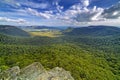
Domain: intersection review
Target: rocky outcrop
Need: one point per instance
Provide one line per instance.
(35, 71)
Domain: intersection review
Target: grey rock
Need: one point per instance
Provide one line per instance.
(35, 71)
(10, 74)
(59, 74)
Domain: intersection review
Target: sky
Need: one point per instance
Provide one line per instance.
(60, 12)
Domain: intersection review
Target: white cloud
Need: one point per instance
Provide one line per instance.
(83, 14)
(13, 3)
(108, 22)
(58, 7)
(94, 8)
(76, 7)
(5, 19)
(115, 13)
(78, 14)
(85, 3)
(35, 5)
(46, 15)
(98, 16)
(18, 4)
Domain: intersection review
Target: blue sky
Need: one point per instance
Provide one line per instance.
(60, 12)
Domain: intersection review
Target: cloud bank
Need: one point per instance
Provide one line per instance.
(19, 21)
(78, 13)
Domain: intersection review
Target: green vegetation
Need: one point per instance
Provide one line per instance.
(86, 56)
(13, 31)
(51, 33)
(96, 31)
(81, 63)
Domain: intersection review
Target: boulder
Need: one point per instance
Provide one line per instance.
(10, 74)
(35, 71)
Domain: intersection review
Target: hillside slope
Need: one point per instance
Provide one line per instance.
(13, 31)
(94, 31)
(82, 64)
(89, 57)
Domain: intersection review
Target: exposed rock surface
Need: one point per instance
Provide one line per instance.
(35, 71)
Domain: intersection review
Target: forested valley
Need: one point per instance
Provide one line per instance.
(90, 53)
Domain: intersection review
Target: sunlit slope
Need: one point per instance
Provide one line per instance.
(48, 33)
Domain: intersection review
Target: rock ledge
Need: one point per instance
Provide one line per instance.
(35, 71)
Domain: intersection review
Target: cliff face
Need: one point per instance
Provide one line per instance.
(35, 71)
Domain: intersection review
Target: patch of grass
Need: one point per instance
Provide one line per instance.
(46, 33)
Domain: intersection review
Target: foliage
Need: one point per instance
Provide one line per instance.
(13, 31)
(87, 57)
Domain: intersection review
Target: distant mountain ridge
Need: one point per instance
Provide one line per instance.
(79, 31)
(12, 31)
(42, 27)
(93, 31)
